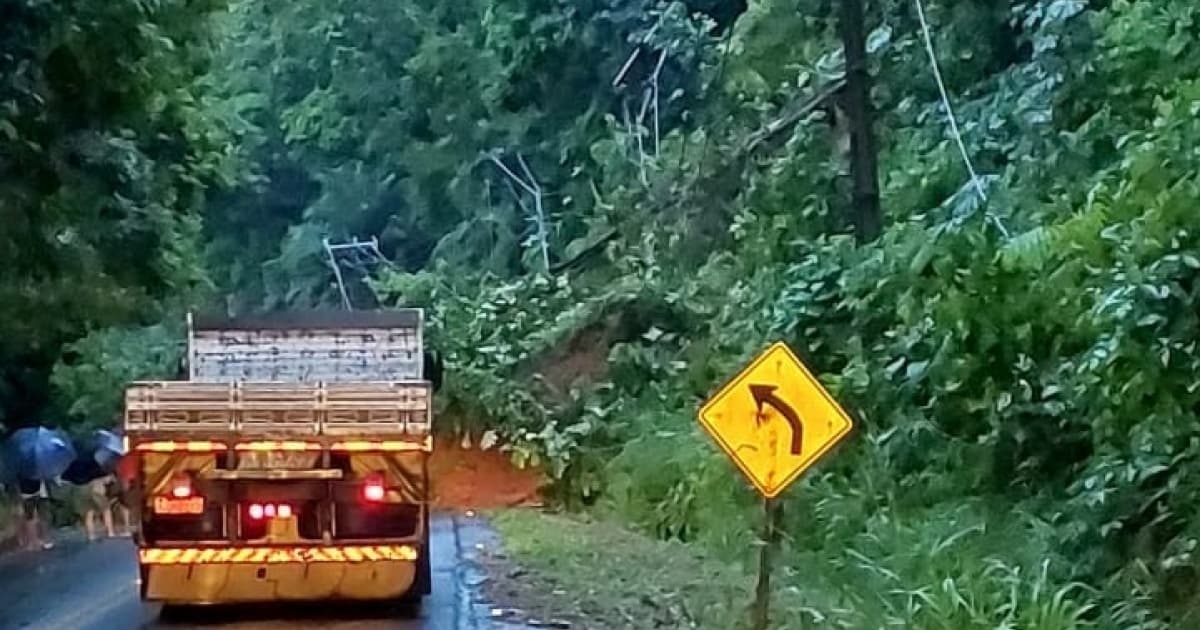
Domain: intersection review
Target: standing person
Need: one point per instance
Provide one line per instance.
(92, 499)
(33, 506)
(127, 468)
(92, 494)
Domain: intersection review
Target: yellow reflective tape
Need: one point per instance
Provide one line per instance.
(405, 552)
(287, 445)
(385, 445)
(278, 555)
(204, 446)
(195, 446)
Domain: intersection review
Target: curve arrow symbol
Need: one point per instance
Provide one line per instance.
(765, 395)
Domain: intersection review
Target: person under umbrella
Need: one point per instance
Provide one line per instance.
(109, 449)
(36, 456)
(92, 471)
(113, 457)
(34, 496)
(38, 453)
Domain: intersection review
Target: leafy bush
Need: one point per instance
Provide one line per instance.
(1023, 370)
(90, 380)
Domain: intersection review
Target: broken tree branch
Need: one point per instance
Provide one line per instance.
(795, 113)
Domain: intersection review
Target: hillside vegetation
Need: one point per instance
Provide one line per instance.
(608, 206)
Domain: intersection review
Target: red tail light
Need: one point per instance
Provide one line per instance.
(373, 490)
(181, 487)
(259, 511)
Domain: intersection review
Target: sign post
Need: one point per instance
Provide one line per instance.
(762, 591)
(775, 421)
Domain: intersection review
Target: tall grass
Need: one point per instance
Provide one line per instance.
(865, 548)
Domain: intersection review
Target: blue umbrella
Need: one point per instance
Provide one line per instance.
(38, 453)
(109, 449)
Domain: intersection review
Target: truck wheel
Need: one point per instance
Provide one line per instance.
(173, 614)
(409, 607)
(423, 584)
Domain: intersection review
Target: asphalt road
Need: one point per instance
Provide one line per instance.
(80, 586)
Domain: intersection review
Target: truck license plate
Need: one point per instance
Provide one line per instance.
(168, 505)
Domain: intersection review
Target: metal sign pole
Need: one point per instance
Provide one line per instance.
(760, 615)
(774, 395)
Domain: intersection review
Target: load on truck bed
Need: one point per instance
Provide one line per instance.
(291, 465)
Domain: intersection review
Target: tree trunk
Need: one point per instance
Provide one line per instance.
(865, 212)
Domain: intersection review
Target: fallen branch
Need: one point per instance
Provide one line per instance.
(799, 110)
(592, 248)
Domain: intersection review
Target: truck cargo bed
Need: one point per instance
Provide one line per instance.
(400, 409)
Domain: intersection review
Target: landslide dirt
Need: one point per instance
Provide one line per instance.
(479, 480)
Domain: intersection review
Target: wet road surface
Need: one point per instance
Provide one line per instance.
(79, 586)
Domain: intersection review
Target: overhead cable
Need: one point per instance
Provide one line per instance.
(962, 148)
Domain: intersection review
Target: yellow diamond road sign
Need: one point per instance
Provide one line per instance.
(775, 420)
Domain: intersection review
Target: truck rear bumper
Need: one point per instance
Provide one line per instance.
(178, 577)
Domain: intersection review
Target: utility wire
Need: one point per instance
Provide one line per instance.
(962, 148)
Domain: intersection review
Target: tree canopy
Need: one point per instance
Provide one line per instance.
(106, 149)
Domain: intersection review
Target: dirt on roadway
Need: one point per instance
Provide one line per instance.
(475, 479)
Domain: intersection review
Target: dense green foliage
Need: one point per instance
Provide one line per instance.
(106, 146)
(367, 119)
(1026, 401)
(1023, 368)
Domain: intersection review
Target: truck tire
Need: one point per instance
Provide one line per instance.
(424, 582)
(409, 606)
(423, 585)
(175, 614)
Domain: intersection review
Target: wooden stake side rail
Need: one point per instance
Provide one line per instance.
(394, 408)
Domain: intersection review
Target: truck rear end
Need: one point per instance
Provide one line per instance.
(291, 465)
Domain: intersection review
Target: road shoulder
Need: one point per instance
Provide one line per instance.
(566, 571)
